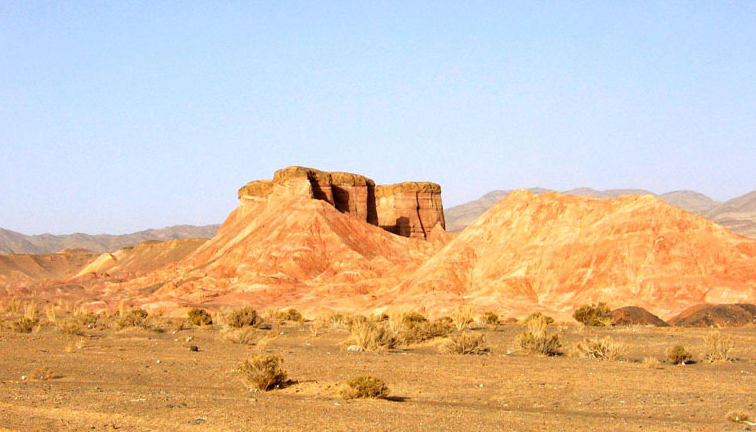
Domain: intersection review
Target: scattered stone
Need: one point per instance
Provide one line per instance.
(194, 348)
(356, 348)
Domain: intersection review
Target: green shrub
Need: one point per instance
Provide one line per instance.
(598, 315)
(364, 387)
(263, 372)
(199, 317)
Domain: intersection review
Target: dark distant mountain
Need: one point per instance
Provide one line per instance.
(15, 243)
(737, 214)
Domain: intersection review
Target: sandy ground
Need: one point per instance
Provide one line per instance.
(135, 380)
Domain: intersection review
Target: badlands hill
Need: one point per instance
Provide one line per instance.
(309, 239)
(738, 214)
(556, 251)
(15, 243)
(317, 240)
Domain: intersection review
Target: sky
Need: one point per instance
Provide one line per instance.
(118, 116)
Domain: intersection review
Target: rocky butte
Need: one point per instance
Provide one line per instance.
(409, 209)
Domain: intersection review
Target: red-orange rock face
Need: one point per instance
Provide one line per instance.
(556, 252)
(410, 209)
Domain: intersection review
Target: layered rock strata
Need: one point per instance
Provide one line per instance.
(410, 209)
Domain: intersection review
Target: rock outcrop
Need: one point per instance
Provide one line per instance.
(633, 315)
(410, 209)
(722, 315)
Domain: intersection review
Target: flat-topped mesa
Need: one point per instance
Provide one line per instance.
(408, 209)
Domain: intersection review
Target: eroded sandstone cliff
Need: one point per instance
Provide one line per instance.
(410, 209)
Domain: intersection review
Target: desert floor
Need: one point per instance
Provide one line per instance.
(135, 380)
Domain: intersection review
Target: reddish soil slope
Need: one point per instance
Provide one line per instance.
(556, 252)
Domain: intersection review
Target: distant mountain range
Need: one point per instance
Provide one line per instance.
(15, 243)
(737, 214)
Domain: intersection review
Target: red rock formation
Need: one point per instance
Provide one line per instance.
(557, 252)
(410, 209)
(290, 250)
(407, 209)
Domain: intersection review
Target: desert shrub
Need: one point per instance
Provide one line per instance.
(240, 336)
(598, 315)
(537, 340)
(292, 315)
(263, 372)
(717, 347)
(24, 324)
(72, 326)
(131, 318)
(41, 373)
(347, 321)
(372, 336)
(51, 313)
(536, 315)
(679, 355)
(402, 320)
(490, 318)
(13, 306)
(420, 331)
(364, 387)
(738, 417)
(241, 317)
(467, 343)
(199, 317)
(463, 318)
(601, 349)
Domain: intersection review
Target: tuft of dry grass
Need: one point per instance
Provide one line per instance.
(537, 340)
(130, 318)
(50, 312)
(372, 336)
(420, 331)
(241, 336)
(13, 306)
(463, 318)
(364, 387)
(718, 347)
(652, 363)
(679, 355)
(28, 322)
(466, 343)
(538, 315)
(263, 373)
(601, 349)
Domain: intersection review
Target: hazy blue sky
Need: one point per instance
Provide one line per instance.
(121, 116)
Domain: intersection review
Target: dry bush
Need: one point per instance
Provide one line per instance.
(50, 312)
(738, 417)
(717, 347)
(401, 320)
(199, 317)
(364, 387)
(537, 315)
(490, 318)
(679, 355)
(13, 306)
(263, 373)
(73, 346)
(537, 340)
(420, 331)
(274, 314)
(177, 324)
(652, 363)
(241, 317)
(24, 325)
(41, 373)
(131, 318)
(601, 349)
(372, 336)
(72, 326)
(463, 318)
(598, 315)
(240, 336)
(466, 343)
(346, 321)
